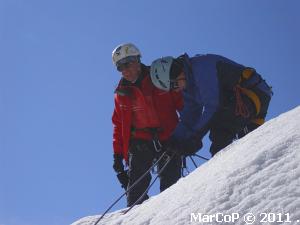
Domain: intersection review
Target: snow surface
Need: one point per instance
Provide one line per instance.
(257, 174)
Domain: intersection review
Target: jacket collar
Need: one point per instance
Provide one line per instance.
(125, 84)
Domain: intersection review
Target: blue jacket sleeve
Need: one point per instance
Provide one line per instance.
(201, 99)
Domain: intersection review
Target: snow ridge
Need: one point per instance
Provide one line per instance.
(258, 174)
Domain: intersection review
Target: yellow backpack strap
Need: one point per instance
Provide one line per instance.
(246, 74)
(255, 99)
(258, 121)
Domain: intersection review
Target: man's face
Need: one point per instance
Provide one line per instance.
(180, 83)
(130, 71)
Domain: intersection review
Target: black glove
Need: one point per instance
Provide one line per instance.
(123, 179)
(183, 147)
(118, 163)
(172, 146)
(191, 146)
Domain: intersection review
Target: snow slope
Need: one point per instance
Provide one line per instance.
(258, 174)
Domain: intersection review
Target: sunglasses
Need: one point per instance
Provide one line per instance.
(124, 66)
(125, 63)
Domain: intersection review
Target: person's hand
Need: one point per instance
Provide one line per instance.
(171, 146)
(182, 147)
(191, 146)
(123, 179)
(118, 163)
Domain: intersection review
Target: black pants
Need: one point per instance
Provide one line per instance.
(227, 126)
(141, 156)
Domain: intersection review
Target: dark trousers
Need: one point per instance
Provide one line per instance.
(227, 126)
(141, 156)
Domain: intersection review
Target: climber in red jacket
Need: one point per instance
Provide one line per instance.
(144, 118)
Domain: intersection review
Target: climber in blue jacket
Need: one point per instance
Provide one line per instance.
(220, 96)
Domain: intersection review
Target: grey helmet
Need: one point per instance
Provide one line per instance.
(160, 72)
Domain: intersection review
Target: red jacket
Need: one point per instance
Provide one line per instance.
(141, 107)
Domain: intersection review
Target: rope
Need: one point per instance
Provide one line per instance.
(240, 108)
(129, 188)
(146, 191)
(193, 162)
(201, 157)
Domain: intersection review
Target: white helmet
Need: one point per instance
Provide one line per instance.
(123, 51)
(160, 72)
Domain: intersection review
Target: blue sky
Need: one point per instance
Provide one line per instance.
(57, 82)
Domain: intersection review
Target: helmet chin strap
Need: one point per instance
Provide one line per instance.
(134, 80)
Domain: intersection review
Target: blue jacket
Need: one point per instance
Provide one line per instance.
(202, 94)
